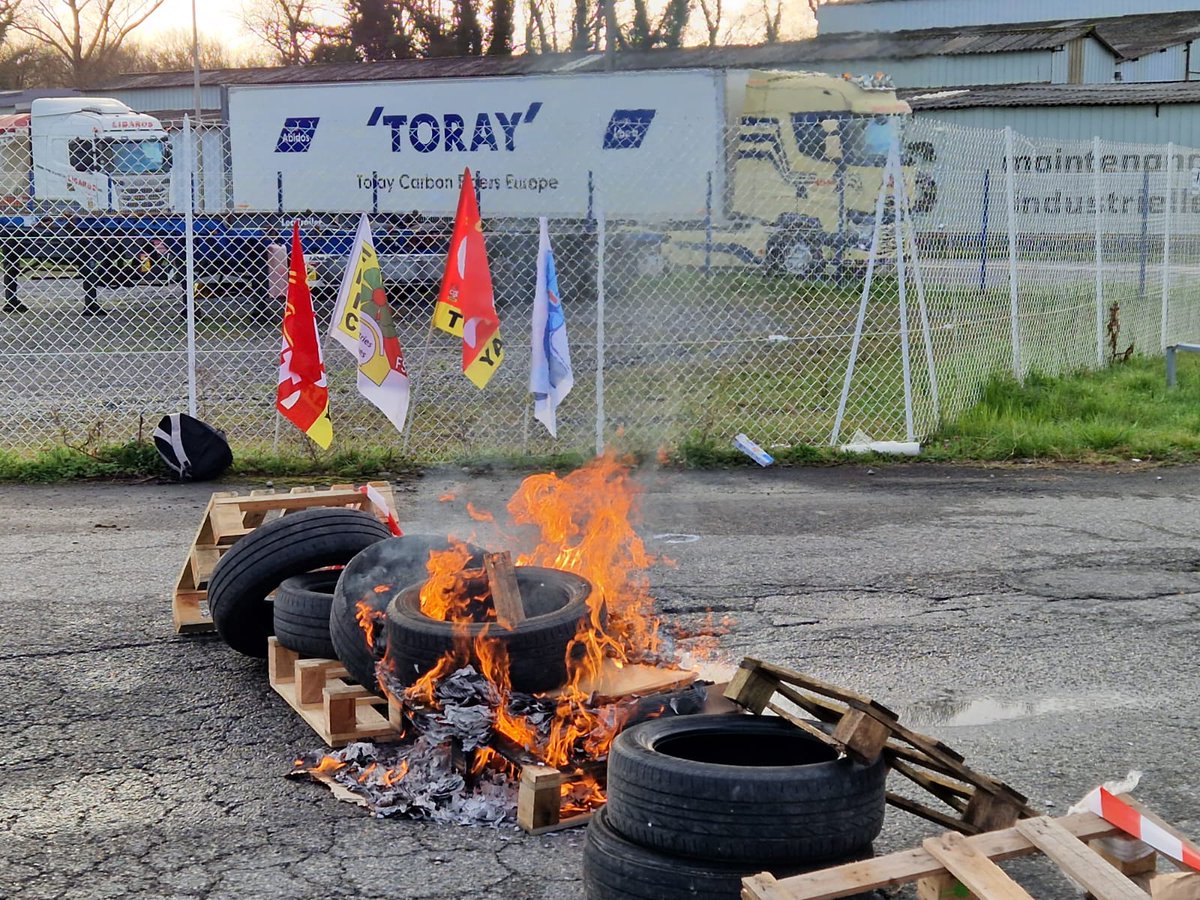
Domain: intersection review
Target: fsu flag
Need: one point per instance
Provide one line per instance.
(550, 374)
(465, 306)
(382, 377)
(303, 393)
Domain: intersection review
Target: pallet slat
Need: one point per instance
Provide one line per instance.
(227, 518)
(318, 690)
(977, 872)
(1101, 879)
(905, 866)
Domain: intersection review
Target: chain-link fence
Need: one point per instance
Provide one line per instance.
(716, 296)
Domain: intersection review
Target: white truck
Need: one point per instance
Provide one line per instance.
(84, 154)
(732, 167)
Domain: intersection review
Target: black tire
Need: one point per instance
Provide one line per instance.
(796, 255)
(615, 868)
(744, 788)
(256, 565)
(556, 604)
(393, 564)
(301, 613)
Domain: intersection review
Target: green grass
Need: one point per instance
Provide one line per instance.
(1119, 413)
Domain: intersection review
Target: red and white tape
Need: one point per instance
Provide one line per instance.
(1115, 811)
(383, 507)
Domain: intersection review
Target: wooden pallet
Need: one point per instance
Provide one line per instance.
(864, 728)
(229, 517)
(320, 690)
(956, 866)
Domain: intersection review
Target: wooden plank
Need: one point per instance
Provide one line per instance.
(186, 614)
(225, 519)
(906, 866)
(750, 688)
(862, 734)
(539, 798)
(203, 560)
(612, 682)
(1075, 859)
(942, 887)
(506, 595)
(807, 728)
(823, 709)
(929, 813)
(990, 811)
(948, 791)
(975, 870)
(299, 501)
(850, 698)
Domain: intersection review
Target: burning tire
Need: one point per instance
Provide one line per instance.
(256, 565)
(555, 603)
(392, 564)
(741, 788)
(301, 613)
(615, 868)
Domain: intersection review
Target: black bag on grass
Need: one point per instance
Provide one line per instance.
(193, 450)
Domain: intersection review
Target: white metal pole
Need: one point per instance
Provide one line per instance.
(189, 250)
(1166, 257)
(195, 64)
(1096, 188)
(600, 237)
(1014, 309)
(862, 310)
(922, 307)
(905, 361)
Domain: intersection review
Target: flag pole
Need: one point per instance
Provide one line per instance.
(600, 234)
(416, 379)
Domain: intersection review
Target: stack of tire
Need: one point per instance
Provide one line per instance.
(332, 583)
(301, 578)
(696, 803)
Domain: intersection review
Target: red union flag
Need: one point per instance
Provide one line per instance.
(466, 306)
(303, 393)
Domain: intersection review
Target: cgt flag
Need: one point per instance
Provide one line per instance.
(382, 377)
(550, 375)
(302, 396)
(466, 306)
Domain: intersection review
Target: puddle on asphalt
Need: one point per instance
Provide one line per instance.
(961, 711)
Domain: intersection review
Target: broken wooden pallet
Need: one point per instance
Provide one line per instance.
(320, 690)
(227, 518)
(864, 728)
(954, 866)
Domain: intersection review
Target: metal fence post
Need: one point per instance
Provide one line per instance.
(600, 236)
(1099, 253)
(1014, 310)
(1165, 318)
(189, 251)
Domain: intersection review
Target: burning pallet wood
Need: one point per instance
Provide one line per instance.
(321, 692)
(864, 728)
(955, 866)
(228, 518)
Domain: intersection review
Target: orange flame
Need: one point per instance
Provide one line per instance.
(368, 618)
(395, 775)
(448, 497)
(327, 766)
(479, 515)
(382, 588)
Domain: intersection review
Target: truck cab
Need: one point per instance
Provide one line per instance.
(806, 158)
(91, 154)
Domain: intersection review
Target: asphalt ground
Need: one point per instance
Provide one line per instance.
(1043, 622)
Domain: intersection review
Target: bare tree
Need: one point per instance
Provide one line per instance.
(288, 27)
(171, 51)
(772, 20)
(713, 11)
(88, 35)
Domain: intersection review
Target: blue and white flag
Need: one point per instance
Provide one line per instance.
(550, 376)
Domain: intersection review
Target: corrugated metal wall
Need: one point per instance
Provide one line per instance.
(954, 71)
(1177, 122)
(156, 100)
(900, 15)
(1166, 65)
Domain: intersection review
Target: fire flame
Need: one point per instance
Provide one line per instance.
(368, 619)
(479, 515)
(327, 766)
(585, 523)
